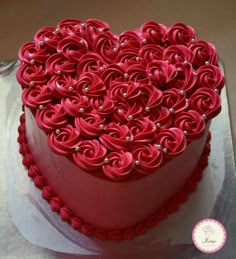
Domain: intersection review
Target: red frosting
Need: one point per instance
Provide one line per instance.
(191, 123)
(180, 33)
(65, 141)
(91, 155)
(120, 105)
(210, 76)
(118, 167)
(69, 27)
(172, 140)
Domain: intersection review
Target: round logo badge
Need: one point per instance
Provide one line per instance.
(209, 235)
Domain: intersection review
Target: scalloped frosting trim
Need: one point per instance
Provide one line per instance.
(79, 224)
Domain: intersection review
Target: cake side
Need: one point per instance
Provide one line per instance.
(105, 203)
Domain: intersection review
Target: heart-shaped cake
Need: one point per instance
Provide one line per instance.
(115, 127)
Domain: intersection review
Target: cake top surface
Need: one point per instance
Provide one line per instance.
(120, 106)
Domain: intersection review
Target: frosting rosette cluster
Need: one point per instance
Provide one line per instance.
(120, 106)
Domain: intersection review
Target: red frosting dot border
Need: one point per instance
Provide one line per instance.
(90, 230)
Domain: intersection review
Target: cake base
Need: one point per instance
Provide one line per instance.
(86, 228)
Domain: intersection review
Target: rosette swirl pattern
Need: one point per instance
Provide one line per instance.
(72, 48)
(91, 85)
(51, 117)
(47, 38)
(206, 102)
(147, 158)
(210, 76)
(191, 123)
(174, 100)
(90, 156)
(116, 137)
(57, 64)
(62, 85)
(151, 52)
(120, 106)
(172, 141)
(153, 32)
(143, 130)
(91, 62)
(90, 125)
(76, 105)
(37, 95)
(69, 27)
(29, 53)
(203, 53)
(65, 141)
(180, 33)
(29, 75)
(119, 165)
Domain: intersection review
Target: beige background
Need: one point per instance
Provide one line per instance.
(214, 21)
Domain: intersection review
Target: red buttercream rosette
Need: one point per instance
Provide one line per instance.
(147, 158)
(36, 96)
(143, 130)
(185, 78)
(153, 32)
(113, 72)
(191, 123)
(161, 117)
(180, 34)
(151, 97)
(30, 75)
(69, 27)
(210, 76)
(92, 28)
(104, 106)
(161, 73)
(91, 62)
(62, 85)
(129, 39)
(118, 91)
(105, 44)
(57, 64)
(90, 125)
(72, 48)
(174, 100)
(51, 118)
(65, 141)
(118, 166)
(76, 105)
(47, 38)
(137, 73)
(90, 156)
(178, 53)
(128, 56)
(116, 137)
(120, 112)
(134, 110)
(91, 85)
(172, 141)
(151, 52)
(203, 53)
(30, 53)
(206, 102)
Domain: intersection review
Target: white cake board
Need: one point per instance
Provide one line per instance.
(40, 226)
